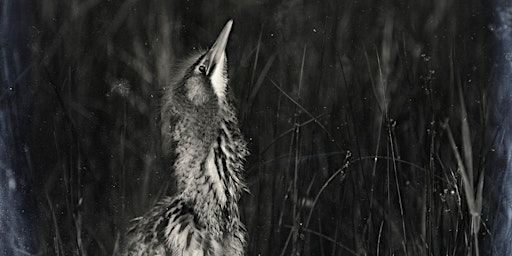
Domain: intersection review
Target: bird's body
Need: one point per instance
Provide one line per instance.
(200, 123)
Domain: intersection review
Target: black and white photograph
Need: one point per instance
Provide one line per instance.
(255, 127)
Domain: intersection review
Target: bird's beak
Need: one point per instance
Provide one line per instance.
(215, 53)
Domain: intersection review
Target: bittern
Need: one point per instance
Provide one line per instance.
(201, 127)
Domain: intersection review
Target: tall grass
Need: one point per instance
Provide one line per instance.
(363, 120)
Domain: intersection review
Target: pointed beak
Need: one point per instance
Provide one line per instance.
(215, 53)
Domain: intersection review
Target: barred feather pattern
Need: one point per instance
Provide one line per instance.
(203, 218)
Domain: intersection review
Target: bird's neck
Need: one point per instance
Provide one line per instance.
(210, 177)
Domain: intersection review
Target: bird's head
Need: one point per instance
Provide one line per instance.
(199, 123)
(206, 77)
(198, 93)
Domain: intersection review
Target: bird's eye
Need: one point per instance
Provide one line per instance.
(202, 69)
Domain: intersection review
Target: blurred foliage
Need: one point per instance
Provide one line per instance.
(314, 80)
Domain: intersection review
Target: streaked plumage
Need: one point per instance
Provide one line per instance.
(200, 126)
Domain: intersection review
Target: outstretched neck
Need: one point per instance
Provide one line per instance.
(211, 178)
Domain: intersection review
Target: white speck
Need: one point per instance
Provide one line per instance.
(271, 34)
(121, 87)
(425, 57)
(508, 56)
(12, 184)
(11, 181)
(314, 30)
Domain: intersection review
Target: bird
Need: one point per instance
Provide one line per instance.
(200, 126)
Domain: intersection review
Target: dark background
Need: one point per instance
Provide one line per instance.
(375, 127)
